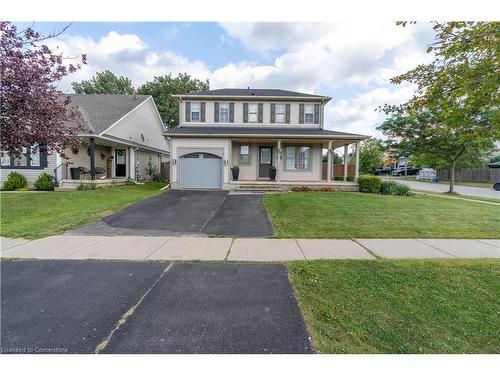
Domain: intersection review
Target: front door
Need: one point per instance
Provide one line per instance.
(265, 161)
(120, 163)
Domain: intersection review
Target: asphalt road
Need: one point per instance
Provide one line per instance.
(181, 212)
(442, 188)
(76, 307)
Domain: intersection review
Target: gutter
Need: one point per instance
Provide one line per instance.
(285, 136)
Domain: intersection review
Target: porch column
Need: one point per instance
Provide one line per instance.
(92, 158)
(329, 162)
(278, 164)
(131, 163)
(346, 159)
(356, 170)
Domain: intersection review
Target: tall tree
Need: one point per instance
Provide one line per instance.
(454, 111)
(162, 88)
(105, 82)
(32, 110)
(371, 155)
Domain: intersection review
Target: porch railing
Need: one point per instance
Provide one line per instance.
(61, 172)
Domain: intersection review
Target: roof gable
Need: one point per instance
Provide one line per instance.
(100, 111)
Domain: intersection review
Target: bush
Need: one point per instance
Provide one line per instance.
(341, 178)
(350, 178)
(15, 181)
(44, 182)
(369, 184)
(152, 171)
(394, 188)
(91, 186)
(302, 188)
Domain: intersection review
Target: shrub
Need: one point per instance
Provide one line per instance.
(326, 189)
(44, 182)
(91, 186)
(341, 178)
(15, 181)
(152, 171)
(350, 178)
(369, 184)
(394, 188)
(302, 188)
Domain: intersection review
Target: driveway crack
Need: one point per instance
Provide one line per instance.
(99, 348)
(213, 214)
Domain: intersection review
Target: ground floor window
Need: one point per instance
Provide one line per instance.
(298, 157)
(244, 154)
(29, 158)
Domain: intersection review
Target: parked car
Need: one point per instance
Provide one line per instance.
(402, 171)
(384, 170)
(496, 186)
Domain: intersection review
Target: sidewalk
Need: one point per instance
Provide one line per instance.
(242, 249)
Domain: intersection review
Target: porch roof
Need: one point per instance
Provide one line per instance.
(246, 132)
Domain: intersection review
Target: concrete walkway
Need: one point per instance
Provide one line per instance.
(242, 249)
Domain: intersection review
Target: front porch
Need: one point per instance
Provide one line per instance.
(101, 162)
(285, 164)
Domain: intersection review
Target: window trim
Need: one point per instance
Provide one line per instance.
(43, 163)
(311, 113)
(191, 112)
(249, 154)
(221, 104)
(276, 113)
(256, 113)
(297, 146)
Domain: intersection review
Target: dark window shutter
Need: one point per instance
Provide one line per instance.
(245, 112)
(216, 112)
(231, 112)
(202, 110)
(188, 112)
(43, 157)
(301, 113)
(273, 113)
(261, 113)
(316, 113)
(287, 113)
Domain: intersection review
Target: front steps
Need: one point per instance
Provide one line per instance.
(257, 189)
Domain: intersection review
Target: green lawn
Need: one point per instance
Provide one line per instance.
(359, 215)
(34, 215)
(439, 306)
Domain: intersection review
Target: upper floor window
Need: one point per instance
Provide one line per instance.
(195, 111)
(308, 113)
(224, 112)
(253, 112)
(280, 113)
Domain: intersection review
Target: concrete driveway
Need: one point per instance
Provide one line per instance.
(68, 306)
(183, 212)
(442, 188)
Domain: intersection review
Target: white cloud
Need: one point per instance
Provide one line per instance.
(312, 57)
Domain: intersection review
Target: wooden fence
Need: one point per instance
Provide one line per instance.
(338, 170)
(165, 170)
(484, 174)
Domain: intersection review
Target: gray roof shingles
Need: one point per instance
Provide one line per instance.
(241, 131)
(100, 111)
(253, 92)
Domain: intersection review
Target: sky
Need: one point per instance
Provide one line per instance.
(350, 61)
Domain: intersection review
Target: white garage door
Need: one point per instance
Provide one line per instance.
(200, 170)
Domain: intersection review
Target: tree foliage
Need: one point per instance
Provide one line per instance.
(32, 110)
(453, 115)
(105, 82)
(162, 88)
(371, 155)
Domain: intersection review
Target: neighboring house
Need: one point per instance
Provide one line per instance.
(124, 132)
(255, 129)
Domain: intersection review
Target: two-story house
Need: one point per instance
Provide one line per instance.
(256, 130)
